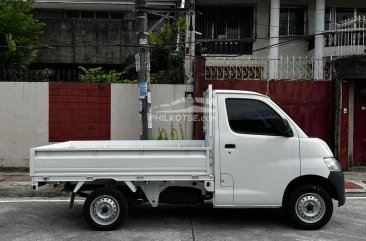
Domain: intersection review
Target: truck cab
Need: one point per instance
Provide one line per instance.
(263, 159)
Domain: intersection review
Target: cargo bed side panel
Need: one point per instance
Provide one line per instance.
(78, 165)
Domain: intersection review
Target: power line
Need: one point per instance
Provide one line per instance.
(172, 44)
(147, 45)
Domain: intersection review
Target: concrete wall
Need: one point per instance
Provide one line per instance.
(87, 41)
(23, 121)
(168, 101)
(124, 112)
(26, 111)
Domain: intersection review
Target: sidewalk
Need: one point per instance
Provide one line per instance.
(355, 182)
(17, 184)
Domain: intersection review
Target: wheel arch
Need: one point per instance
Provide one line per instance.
(312, 180)
(127, 187)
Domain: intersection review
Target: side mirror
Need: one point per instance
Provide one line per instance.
(285, 129)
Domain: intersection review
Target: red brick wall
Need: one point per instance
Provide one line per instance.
(79, 111)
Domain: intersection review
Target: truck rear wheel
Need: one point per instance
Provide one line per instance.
(309, 207)
(105, 209)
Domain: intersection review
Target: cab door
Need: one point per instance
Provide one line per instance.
(260, 160)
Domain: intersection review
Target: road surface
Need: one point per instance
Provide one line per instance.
(45, 219)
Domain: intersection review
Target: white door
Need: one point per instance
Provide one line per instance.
(254, 151)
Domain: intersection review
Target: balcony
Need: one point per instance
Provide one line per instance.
(227, 29)
(346, 38)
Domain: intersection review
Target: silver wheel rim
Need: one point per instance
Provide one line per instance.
(310, 207)
(104, 210)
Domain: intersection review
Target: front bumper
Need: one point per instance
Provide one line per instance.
(337, 179)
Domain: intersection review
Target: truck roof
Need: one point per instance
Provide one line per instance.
(238, 92)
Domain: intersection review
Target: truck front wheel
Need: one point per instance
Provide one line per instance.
(309, 207)
(105, 209)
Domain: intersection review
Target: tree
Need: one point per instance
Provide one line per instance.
(19, 34)
(167, 56)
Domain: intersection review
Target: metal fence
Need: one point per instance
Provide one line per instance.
(45, 75)
(76, 75)
(287, 68)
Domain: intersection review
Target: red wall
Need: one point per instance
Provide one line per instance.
(79, 111)
(308, 103)
(343, 134)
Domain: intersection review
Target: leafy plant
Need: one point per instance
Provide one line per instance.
(98, 75)
(167, 56)
(162, 133)
(181, 131)
(19, 34)
(173, 132)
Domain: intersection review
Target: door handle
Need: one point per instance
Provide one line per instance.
(230, 146)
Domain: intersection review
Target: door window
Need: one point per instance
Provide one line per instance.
(253, 117)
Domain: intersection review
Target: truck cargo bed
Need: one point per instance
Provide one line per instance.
(121, 160)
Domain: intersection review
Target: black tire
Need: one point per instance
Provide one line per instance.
(105, 209)
(309, 207)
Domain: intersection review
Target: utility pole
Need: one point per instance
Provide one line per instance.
(190, 42)
(142, 61)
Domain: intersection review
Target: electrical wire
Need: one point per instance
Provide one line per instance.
(155, 45)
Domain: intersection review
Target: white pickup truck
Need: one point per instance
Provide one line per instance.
(254, 156)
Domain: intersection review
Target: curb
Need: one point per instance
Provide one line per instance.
(355, 186)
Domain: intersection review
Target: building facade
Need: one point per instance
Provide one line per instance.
(90, 33)
(297, 40)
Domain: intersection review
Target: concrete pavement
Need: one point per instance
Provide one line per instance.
(50, 220)
(44, 215)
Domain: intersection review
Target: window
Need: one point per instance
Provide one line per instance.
(328, 19)
(225, 29)
(39, 13)
(336, 15)
(116, 15)
(344, 14)
(292, 21)
(87, 14)
(252, 117)
(225, 22)
(102, 15)
(72, 14)
(361, 12)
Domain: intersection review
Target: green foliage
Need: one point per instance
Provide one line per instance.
(173, 132)
(162, 133)
(167, 58)
(98, 75)
(18, 28)
(181, 131)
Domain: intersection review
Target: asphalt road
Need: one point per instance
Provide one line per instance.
(45, 220)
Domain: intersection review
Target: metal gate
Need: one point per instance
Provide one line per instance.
(359, 138)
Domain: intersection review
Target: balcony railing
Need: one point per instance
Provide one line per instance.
(347, 37)
(225, 46)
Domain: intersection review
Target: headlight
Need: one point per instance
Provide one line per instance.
(332, 164)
